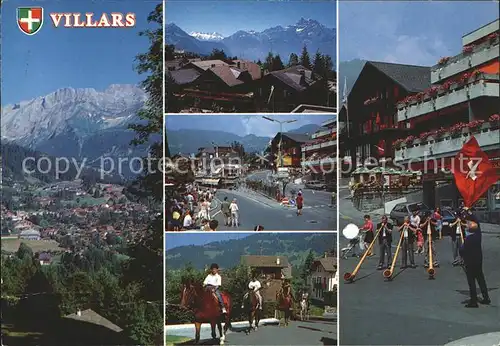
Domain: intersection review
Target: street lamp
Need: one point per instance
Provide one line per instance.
(280, 159)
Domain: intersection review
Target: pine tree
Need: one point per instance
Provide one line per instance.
(305, 60)
(293, 60)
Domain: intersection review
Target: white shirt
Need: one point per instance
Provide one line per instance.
(254, 285)
(234, 207)
(405, 231)
(188, 221)
(415, 221)
(213, 280)
(459, 228)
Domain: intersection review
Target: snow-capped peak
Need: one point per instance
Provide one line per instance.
(207, 36)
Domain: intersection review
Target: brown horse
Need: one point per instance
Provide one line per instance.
(285, 303)
(252, 304)
(205, 306)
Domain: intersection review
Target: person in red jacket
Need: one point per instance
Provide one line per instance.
(300, 203)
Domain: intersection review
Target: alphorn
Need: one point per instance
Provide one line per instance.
(350, 276)
(388, 272)
(461, 232)
(430, 270)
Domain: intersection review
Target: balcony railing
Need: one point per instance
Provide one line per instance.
(318, 161)
(487, 51)
(322, 133)
(481, 32)
(461, 94)
(311, 147)
(447, 147)
(328, 144)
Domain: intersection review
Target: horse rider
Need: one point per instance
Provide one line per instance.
(255, 286)
(286, 289)
(213, 281)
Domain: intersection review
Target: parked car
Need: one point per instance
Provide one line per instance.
(315, 185)
(401, 210)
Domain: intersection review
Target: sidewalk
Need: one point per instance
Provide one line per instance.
(488, 339)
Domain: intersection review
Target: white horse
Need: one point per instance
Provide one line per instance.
(304, 310)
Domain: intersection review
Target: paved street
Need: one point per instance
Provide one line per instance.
(297, 333)
(256, 209)
(413, 309)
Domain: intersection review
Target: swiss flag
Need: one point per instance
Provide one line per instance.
(473, 172)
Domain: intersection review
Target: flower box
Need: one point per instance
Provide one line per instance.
(443, 60)
(466, 131)
(468, 49)
(417, 141)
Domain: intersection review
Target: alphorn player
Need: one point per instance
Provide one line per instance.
(408, 248)
(457, 234)
(432, 233)
(472, 255)
(384, 241)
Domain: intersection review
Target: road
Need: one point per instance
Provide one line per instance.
(413, 309)
(297, 333)
(257, 209)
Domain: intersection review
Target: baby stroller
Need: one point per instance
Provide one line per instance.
(351, 248)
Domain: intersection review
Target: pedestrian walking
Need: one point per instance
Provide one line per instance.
(438, 216)
(300, 203)
(226, 211)
(472, 254)
(235, 210)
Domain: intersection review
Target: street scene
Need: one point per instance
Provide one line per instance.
(79, 223)
(265, 57)
(277, 289)
(420, 221)
(257, 173)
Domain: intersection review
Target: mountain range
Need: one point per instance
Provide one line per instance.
(77, 123)
(187, 141)
(254, 45)
(228, 253)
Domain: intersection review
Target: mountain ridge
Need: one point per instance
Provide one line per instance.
(295, 246)
(255, 45)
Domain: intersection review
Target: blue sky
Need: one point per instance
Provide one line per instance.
(242, 125)
(173, 240)
(413, 32)
(227, 17)
(55, 58)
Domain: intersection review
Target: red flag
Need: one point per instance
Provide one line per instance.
(381, 147)
(473, 172)
(377, 119)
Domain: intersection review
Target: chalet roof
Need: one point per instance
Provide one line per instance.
(249, 66)
(184, 76)
(206, 64)
(327, 262)
(296, 137)
(91, 316)
(297, 77)
(229, 75)
(411, 77)
(257, 261)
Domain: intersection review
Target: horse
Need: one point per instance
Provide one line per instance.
(252, 303)
(205, 306)
(285, 304)
(304, 309)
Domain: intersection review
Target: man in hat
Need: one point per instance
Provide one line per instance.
(213, 281)
(385, 241)
(472, 255)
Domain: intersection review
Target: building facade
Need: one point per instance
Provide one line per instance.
(323, 277)
(461, 102)
(288, 146)
(319, 155)
(369, 116)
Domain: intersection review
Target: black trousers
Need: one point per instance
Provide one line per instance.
(474, 273)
